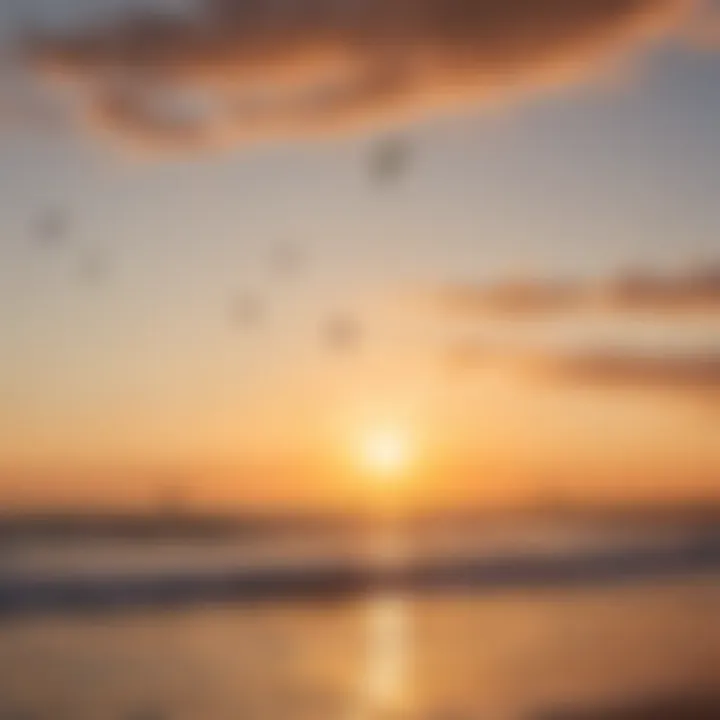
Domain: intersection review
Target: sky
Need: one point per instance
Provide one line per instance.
(206, 281)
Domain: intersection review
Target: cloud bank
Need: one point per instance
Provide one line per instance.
(694, 375)
(238, 71)
(694, 293)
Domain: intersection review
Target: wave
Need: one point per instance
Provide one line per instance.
(347, 579)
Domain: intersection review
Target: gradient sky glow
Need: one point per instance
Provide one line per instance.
(106, 386)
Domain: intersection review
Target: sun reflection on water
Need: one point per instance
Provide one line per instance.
(384, 684)
(383, 687)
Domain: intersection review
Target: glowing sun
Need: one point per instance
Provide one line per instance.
(385, 452)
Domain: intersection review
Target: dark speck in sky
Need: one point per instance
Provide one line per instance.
(389, 160)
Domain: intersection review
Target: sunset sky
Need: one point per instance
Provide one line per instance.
(157, 173)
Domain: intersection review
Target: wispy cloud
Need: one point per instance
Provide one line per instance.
(692, 374)
(668, 371)
(243, 70)
(695, 292)
(584, 357)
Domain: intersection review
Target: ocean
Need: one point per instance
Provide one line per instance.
(497, 650)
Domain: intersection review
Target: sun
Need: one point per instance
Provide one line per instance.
(385, 453)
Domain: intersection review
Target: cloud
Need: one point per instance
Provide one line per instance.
(589, 360)
(696, 292)
(692, 374)
(244, 70)
(23, 103)
(704, 28)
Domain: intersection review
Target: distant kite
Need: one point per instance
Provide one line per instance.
(287, 260)
(51, 226)
(389, 160)
(245, 310)
(94, 267)
(342, 332)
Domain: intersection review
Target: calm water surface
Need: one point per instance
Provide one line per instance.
(387, 657)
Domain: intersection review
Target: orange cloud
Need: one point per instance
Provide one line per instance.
(688, 372)
(692, 374)
(243, 70)
(696, 292)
